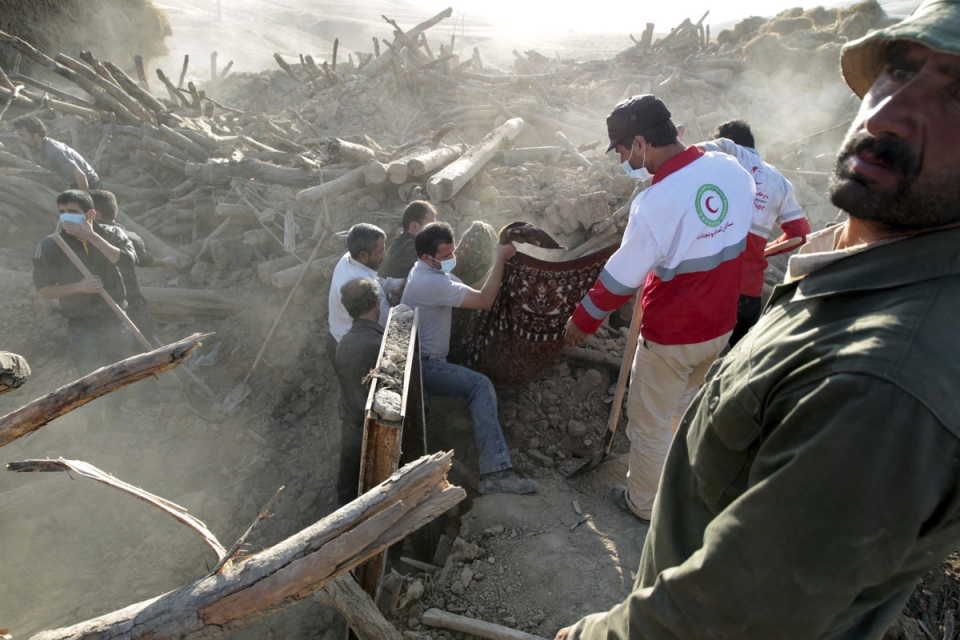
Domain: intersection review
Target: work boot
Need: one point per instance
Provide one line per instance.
(506, 481)
(619, 496)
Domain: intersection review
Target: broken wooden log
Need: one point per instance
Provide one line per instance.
(431, 161)
(16, 97)
(542, 155)
(41, 411)
(237, 212)
(267, 268)
(286, 67)
(313, 195)
(375, 173)
(220, 171)
(278, 577)
(175, 302)
(381, 62)
(350, 152)
(181, 141)
(572, 150)
(175, 96)
(46, 88)
(114, 91)
(473, 627)
(125, 192)
(365, 620)
(445, 184)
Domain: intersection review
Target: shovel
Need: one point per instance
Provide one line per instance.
(628, 352)
(123, 316)
(242, 390)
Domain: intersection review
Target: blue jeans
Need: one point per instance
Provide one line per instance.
(453, 381)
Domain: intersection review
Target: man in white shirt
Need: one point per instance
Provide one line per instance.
(435, 291)
(365, 251)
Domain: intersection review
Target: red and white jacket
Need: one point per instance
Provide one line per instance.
(684, 244)
(775, 203)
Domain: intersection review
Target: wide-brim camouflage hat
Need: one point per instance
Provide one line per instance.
(935, 24)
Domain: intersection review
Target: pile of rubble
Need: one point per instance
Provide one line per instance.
(279, 156)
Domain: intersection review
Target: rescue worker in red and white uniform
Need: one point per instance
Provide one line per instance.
(775, 203)
(683, 246)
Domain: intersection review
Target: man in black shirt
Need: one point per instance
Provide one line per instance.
(402, 255)
(357, 354)
(105, 204)
(97, 336)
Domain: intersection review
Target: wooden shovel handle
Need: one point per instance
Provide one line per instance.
(632, 339)
(103, 293)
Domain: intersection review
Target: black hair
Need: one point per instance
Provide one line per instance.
(416, 211)
(430, 238)
(661, 135)
(105, 203)
(31, 124)
(363, 237)
(736, 130)
(74, 196)
(359, 296)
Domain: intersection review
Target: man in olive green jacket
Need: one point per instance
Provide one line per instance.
(816, 476)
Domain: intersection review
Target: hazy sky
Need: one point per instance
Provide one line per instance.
(625, 15)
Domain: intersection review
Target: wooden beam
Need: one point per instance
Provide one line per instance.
(280, 576)
(41, 411)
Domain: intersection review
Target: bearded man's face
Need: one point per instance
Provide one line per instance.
(899, 166)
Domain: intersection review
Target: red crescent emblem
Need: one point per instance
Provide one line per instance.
(709, 208)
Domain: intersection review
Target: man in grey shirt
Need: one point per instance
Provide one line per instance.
(435, 291)
(55, 156)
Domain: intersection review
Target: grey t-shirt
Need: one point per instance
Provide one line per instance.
(435, 293)
(62, 160)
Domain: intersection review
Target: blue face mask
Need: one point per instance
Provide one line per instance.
(446, 266)
(639, 174)
(77, 218)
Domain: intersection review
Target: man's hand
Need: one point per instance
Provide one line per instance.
(83, 231)
(572, 335)
(563, 634)
(90, 285)
(505, 252)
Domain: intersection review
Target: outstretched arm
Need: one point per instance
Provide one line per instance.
(483, 299)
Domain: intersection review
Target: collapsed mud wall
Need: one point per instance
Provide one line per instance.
(116, 29)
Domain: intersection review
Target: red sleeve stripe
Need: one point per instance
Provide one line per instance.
(798, 228)
(599, 303)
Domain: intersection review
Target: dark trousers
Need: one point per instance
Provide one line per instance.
(331, 350)
(748, 312)
(97, 345)
(351, 449)
(137, 311)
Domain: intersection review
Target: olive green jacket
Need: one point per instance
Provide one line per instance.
(815, 478)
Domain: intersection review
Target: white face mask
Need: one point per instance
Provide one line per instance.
(446, 266)
(76, 218)
(641, 173)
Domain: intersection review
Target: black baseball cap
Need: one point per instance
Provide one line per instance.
(633, 115)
